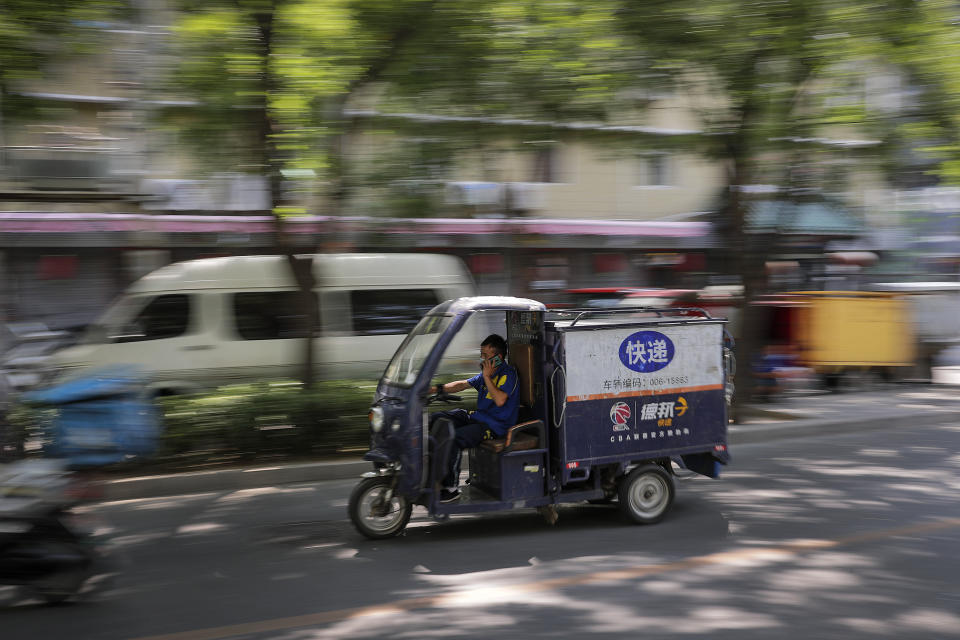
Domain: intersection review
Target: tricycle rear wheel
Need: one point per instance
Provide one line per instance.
(646, 494)
(374, 514)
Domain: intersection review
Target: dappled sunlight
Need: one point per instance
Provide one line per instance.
(679, 604)
(929, 620)
(908, 623)
(868, 625)
(837, 545)
(813, 579)
(879, 453)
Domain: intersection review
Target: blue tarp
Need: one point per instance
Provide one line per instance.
(103, 418)
(99, 384)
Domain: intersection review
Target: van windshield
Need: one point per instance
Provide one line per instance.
(121, 312)
(410, 357)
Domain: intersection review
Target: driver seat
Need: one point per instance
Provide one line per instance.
(514, 467)
(523, 435)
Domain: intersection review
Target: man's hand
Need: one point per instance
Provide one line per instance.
(487, 368)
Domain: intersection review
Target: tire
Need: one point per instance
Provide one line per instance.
(646, 494)
(67, 583)
(367, 496)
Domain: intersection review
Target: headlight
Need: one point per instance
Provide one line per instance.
(376, 418)
(395, 425)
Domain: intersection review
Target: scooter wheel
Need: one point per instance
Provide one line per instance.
(62, 585)
(646, 494)
(373, 515)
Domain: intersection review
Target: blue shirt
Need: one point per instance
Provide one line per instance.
(499, 419)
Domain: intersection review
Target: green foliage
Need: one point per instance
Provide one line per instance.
(33, 33)
(240, 422)
(295, 63)
(254, 419)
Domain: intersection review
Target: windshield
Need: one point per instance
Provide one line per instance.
(409, 358)
(119, 314)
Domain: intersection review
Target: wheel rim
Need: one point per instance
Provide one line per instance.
(649, 495)
(371, 506)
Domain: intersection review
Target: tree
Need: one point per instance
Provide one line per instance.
(273, 77)
(763, 63)
(265, 73)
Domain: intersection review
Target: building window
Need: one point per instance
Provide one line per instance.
(654, 170)
(545, 164)
(389, 311)
(269, 315)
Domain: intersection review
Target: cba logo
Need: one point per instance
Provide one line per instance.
(619, 414)
(646, 351)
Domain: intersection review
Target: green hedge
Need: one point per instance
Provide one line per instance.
(263, 418)
(245, 422)
(239, 421)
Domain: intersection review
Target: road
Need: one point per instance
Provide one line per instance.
(852, 536)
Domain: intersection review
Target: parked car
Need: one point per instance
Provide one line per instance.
(24, 363)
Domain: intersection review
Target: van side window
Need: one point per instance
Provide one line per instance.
(268, 315)
(389, 311)
(165, 316)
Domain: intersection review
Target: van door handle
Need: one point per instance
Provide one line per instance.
(197, 347)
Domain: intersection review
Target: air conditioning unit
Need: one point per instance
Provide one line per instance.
(176, 195)
(526, 196)
(244, 192)
(227, 192)
(474, 193)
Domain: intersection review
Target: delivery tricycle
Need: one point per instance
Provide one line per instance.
(611, 401)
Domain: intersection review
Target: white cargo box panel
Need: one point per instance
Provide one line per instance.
(644, 389)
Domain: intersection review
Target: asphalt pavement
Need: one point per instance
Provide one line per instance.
(795, 414)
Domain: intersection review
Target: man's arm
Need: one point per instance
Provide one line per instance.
(499, 396)
(451, 387)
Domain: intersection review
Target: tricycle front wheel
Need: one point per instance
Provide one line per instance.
(646, 494)
(376, 511)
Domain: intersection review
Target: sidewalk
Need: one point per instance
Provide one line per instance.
(800, 414)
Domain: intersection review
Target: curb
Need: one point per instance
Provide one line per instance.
(236, 479)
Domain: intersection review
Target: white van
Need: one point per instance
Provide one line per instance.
(204, 323)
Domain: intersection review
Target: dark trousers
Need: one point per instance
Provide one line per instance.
(468, 433)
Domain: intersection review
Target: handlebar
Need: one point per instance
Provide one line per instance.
(443, 396)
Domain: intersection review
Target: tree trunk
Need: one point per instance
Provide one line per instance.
(301, 266)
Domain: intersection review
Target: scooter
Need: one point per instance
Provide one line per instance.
(41, 548)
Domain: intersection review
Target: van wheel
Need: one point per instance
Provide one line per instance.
(646, 494)
(373, 514)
